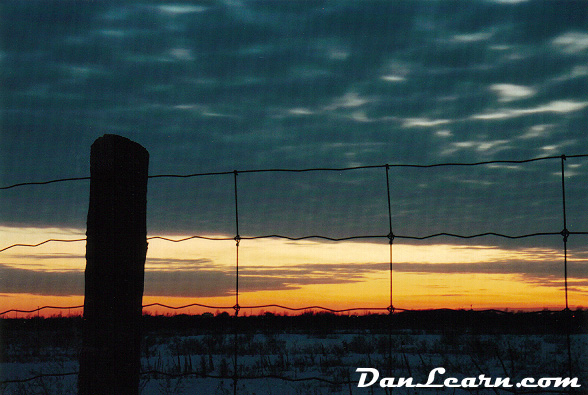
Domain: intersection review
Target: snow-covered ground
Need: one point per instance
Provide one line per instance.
(184, 361)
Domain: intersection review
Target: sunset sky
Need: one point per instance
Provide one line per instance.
(217, 86)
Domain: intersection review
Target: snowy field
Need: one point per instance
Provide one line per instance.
(279, 362)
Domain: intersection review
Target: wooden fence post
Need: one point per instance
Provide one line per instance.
(115, 266)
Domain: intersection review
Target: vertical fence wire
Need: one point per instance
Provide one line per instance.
(565, 234)
(237, 242)
(390, 243)
(236, 307)
(390, 237)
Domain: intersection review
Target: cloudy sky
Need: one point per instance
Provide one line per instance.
(214, 86)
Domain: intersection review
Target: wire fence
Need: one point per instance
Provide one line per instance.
(562, 232)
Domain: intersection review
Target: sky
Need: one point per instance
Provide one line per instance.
(217, 86)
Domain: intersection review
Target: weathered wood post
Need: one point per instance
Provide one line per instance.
(115, 265)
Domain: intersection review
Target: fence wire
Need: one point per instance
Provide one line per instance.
(391, 236)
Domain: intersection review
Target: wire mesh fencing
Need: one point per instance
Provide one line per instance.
(559, 227)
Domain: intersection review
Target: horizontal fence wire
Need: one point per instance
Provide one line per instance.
(41, 243)
(328, 238)
(265, 306)
(391, 236)
(268, 376)
(198, 374)
(314, 169)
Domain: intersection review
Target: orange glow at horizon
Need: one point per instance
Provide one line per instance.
(358, 279)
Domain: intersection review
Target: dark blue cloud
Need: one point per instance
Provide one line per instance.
(200, 278)
(214, 86)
